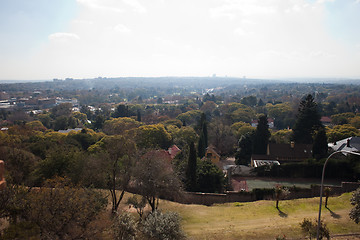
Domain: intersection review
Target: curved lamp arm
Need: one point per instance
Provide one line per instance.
(322, 185)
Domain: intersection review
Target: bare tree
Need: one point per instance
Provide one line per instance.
(154, 178)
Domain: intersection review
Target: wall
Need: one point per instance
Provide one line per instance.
(213, 198)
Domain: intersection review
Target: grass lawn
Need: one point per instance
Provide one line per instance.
(261, 220)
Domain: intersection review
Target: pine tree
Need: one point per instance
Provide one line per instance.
(308, 121)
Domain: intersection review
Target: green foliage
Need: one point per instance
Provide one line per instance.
(340, 132)
(19, 165)
(342, 118)
(191, 169)
(310, 229)
(236, 112)
(355, 201)
(250, 101)
(210, 178)
(152, 136)
(190, 117)
(184, 136)
(243, 154)
(118, 126)
(163, 226)
(261, 136)
(281, 136)
(282, 113)
(308, 120)
(320, 146)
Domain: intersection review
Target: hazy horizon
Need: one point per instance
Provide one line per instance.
(275, 39)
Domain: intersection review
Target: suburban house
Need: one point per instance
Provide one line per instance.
(326, 121)
(351, 144)
(254, 123)
(2, 175)
(278, 153)
(213, 156)
(173, 151)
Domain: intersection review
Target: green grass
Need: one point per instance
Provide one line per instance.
(261, 220)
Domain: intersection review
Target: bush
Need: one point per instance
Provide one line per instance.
(355, 201)
(310, 229)
(124, 227)
(162, 226)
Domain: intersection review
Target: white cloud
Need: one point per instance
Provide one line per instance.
(61, 36)
(243, 33)
(324, 1)
(232, 9)
(357, 1)
(135, 5)
(122, 29)
(100, 5)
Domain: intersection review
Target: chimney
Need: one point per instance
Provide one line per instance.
(292, 144)
(348, 143)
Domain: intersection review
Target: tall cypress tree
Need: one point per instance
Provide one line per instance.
(203, 140)
(191, 169)
(320, 147)
(307, 122)
(261, 136)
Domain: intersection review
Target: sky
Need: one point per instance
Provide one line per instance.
(46, 39)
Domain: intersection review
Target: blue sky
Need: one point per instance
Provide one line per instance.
(45, 39)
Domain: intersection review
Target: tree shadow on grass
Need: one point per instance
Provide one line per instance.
(333, 214)
(282, 214)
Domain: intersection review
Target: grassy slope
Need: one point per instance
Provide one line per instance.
(261, 220)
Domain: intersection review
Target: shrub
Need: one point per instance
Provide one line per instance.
(124, 227)
(310, 229)
(162, 226)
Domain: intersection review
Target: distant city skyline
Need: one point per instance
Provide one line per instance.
(46, 39)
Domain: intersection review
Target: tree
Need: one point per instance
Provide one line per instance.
(203, 140)
(222, 137)
(244, 151)
(261, 136)
(121, 111)
(118, 126)
(327, 192)
(280, 193)
(355, 201)
(155, 178)
(191, 169)
(308, 120)
(118, 152)
(60, 210)
(340, 132)
(210, 178)
(151, 136)
(320, 146)
(310, 229)
(138, 204)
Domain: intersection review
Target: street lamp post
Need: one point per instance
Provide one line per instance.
(322, 186)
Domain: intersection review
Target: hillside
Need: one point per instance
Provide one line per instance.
(261, 220)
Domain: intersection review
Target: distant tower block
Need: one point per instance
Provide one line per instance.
(2, 175)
